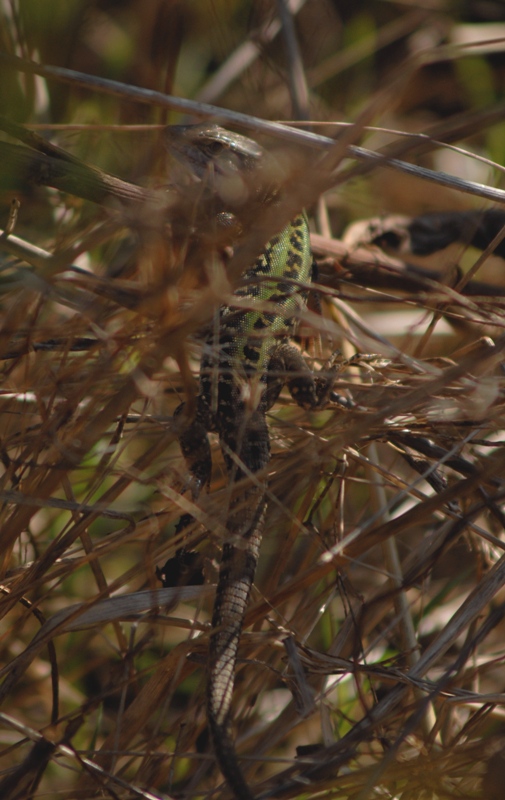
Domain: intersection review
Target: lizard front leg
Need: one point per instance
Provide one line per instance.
(287, 366)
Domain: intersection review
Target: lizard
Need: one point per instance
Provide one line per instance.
(243, 368)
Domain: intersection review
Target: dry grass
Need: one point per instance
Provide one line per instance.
(371, 661)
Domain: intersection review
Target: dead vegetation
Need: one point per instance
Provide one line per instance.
(372, 659)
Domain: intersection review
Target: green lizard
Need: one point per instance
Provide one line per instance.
(243, 369)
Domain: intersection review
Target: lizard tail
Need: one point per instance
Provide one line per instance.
(236, 576)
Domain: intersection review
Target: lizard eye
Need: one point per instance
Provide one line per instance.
(215, 147)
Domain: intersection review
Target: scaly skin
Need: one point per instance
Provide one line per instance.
(242, 372)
